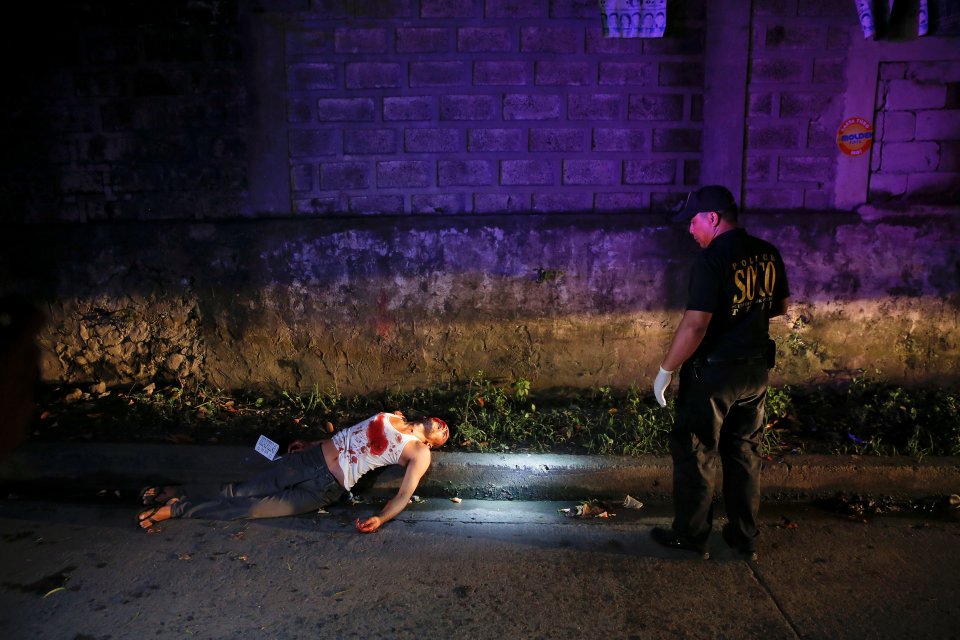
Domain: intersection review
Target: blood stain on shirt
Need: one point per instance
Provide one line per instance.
(376, 435)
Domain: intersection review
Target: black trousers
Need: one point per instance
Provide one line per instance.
(720, 415)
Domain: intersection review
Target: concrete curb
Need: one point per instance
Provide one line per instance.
(127, 467)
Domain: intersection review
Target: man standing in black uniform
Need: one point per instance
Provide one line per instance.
(723, 350)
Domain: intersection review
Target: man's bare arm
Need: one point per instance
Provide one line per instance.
(689, 335)
(417, 466)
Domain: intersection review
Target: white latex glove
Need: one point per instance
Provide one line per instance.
(660, 385)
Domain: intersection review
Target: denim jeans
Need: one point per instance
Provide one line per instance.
(296, 483)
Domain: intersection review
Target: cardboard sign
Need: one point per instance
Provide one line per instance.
(267, 448)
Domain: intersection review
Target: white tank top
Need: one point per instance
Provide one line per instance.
(369, 445)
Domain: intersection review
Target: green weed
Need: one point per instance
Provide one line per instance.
(863, 415)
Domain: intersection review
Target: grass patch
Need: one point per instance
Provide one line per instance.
(868, 416)
(858, 416)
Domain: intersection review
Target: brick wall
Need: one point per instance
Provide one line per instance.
(916, 155)
(808, 66)
(134, 111)
(795, 101)
(128, 110)
(212, 110)
(120, 110)
(489, 107)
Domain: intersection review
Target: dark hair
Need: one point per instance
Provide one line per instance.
(729, 214)
(413, 415)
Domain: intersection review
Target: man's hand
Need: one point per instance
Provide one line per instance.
(301, 445)
(660, 386)
(416, 457)
(369, 525)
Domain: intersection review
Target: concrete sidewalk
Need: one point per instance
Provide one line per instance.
(80, 467)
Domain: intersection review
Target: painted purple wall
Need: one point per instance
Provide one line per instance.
(243, 108)
(480, 148)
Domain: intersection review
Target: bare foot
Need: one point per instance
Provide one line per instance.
(148, 518)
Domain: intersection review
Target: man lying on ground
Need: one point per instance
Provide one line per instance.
(314, 475)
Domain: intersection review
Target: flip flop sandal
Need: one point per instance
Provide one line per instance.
(145, 520)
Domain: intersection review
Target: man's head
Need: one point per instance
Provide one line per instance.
(436, 432)
(709, 211)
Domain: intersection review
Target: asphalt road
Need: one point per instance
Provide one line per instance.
(479, 569)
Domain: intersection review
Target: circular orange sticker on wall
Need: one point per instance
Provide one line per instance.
(855, 136)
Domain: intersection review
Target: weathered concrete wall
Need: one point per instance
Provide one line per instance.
(149, 152)
(557, 300)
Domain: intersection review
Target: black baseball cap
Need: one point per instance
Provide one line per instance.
(710, 198)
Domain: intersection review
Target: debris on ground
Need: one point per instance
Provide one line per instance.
(588, 509)
(632, 503)
(858, 507)
(456, 500)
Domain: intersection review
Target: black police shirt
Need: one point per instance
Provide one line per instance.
(739, 279)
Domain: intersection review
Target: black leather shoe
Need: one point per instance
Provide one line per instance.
(745, 549)
(671, 539)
